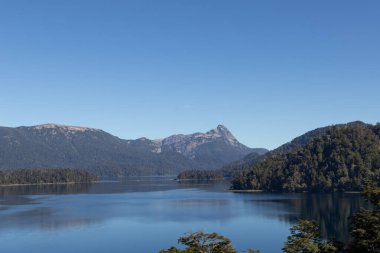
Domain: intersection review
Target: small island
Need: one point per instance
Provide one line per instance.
(200, 175)
(45, 176)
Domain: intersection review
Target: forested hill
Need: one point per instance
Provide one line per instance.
(306, 138)
(343, 158)
(253, 158)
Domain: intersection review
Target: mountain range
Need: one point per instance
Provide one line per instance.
(61, 146)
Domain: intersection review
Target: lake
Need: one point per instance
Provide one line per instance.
(148, 214)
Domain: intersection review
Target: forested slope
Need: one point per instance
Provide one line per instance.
(344, 158)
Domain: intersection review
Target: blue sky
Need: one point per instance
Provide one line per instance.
(268, 70)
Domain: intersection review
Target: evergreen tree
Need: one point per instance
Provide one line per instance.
(305, 238)
(365, 228)
(200, 242)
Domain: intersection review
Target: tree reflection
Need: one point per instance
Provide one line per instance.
(330, 210)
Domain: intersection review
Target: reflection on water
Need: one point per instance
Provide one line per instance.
(161, 209)
(44, 189)
(330, 210)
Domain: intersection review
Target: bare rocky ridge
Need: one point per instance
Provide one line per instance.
(64, 128)
(187, 144)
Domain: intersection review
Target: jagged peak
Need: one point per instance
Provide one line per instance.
(221, 130)
(64, 127)
(222, 127)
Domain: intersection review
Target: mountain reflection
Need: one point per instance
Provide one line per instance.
(43, 218)
(17, 190)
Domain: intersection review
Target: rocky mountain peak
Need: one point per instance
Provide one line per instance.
(222, 132)
(188, 144)
(222, 128)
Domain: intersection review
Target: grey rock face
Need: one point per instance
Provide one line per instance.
(188, 144)
(60, 146)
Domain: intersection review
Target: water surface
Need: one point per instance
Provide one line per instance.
(148, 214)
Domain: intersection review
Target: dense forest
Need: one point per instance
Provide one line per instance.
(342, 159)
(45, 176)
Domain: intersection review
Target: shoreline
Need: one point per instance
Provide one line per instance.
(332, 192)
(198, 180)
(242, 191)
(60, 183)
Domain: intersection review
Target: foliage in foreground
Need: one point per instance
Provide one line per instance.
(200, 242)
(365, 229)
(305, 237)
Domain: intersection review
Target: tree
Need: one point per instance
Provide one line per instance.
(305, 238)
(200, 242)
(174, 250)
(365, 228)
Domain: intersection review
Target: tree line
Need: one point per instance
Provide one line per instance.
(43, 176)
(201, 175)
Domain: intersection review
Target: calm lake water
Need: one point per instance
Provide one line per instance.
(148, 214)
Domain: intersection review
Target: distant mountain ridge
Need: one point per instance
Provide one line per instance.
(61, 146)
(192, 145)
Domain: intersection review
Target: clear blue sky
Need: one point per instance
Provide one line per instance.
(268, 70)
